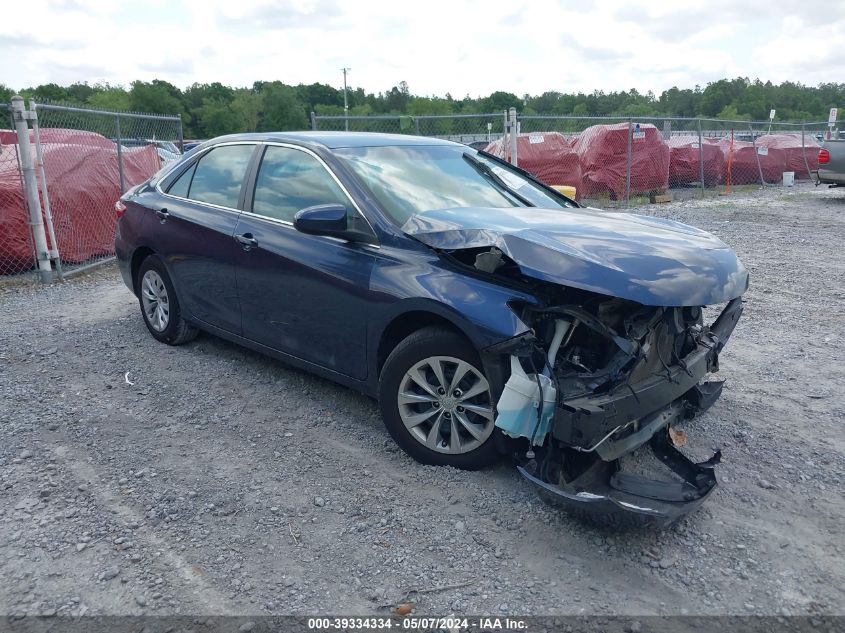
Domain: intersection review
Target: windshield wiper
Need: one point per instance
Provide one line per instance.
(486, 170)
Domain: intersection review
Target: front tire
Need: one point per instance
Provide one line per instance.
(436, 402)
(159, 305)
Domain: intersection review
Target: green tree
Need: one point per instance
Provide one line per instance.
(729, 113)
(6, 94)
(109, 97)
(364, 109)
(499, 101)
(281, 108)
(195, 97)
(681, 103)
(157, 96)
(80, 92)
(215, 108)
(428, 105)
(247, 107)
(324, 109)
(215, 117)
(49, 92)
(316, 94)
(396, 99)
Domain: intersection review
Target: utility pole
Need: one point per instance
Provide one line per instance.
(345, 102)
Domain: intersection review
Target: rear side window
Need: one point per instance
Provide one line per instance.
(181, 185)
(290, 180)
(217, 177)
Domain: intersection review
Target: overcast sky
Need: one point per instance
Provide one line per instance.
(458, 46)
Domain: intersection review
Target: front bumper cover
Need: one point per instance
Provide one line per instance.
(618, 497)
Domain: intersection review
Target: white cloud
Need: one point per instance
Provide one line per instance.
(810, 51)
(457, 46)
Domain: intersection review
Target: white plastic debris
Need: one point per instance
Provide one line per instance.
(527, 405)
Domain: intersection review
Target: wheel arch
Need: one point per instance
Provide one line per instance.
(418, 316)
(138, 256)
(405, 324)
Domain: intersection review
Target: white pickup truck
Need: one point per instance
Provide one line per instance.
(831, 163)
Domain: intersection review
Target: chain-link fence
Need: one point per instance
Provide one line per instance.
(17, 253)
(625, 161)
(83, 160)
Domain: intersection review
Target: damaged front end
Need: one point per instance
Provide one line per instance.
(622, 375)
(616, 351)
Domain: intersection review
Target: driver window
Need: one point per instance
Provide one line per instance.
(290, 180)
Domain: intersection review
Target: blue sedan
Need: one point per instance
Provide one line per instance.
(486, 312)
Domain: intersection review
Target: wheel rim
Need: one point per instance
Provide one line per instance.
(155, 301)
(444, 402)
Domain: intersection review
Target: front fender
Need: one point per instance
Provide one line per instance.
(477, 307)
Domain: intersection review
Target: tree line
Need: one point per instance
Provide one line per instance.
(212, 109)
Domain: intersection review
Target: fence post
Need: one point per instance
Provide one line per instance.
(36, 221)
(628, 163)
(119, 141)
(45, 196)
(313, 120)
(181, 133)
(417, 125)
(513, 133)
(701, 157)
(506, 137)
(757, 156)
(804, 150)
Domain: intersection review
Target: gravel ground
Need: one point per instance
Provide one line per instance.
(223, 482)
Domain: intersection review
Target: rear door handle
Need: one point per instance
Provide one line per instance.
(247, 241)
(163, 214)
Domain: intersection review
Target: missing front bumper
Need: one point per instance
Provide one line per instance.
(625, 418)
(606, 493)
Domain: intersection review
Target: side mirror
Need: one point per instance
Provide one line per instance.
(332, 220)
(322, 219)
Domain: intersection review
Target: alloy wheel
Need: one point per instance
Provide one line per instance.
(155, 300)
(444, 403)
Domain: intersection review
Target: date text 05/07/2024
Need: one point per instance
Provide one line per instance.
(452, 624)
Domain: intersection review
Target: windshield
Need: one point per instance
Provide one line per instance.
(407, 180)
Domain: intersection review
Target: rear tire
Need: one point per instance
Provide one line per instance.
(159, 305)
(436, 402)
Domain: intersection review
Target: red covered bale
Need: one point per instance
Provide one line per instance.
(685, 162)
(603, 150)
(746, 161)
(794, 153)
(83, 183)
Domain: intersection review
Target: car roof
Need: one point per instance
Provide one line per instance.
(336, 140)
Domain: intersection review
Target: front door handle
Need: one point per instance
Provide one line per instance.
(163, 214)
(247, 241)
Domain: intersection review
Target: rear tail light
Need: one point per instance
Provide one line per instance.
(824, 157)
(119, 208)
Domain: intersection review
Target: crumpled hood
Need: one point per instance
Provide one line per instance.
(649, 260)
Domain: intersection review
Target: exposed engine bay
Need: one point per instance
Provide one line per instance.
(597, 378)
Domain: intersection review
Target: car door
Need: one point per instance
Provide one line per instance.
(198, 216)
(304, 295)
